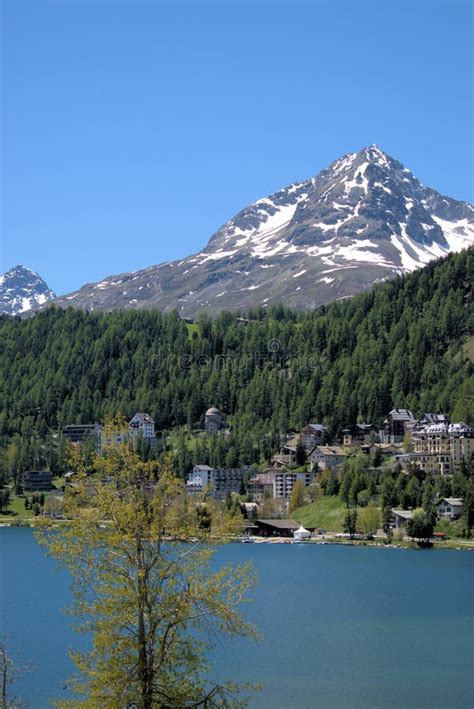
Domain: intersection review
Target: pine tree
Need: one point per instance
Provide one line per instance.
(350, 522)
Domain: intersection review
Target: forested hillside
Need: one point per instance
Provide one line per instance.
(406, 343)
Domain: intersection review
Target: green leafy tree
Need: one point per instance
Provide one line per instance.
(357, 486)
(458, 485)
(388, 493)
(300, 455)
(345, 487)
(407, 443)
(332, 484)
(363, 498)
(147, 600)
(5, 498)
(372, 486)
(413, 492)
(350, 522)
(377, 458)
(421, 526)
(369, 519)
(297, 496)
(467, 520)
(387, 521)
(428, 499)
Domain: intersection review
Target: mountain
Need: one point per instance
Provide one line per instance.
(22, 289)
(363, 219)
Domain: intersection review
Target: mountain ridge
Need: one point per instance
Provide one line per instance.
(362, 219)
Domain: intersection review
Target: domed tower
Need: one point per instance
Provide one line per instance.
(214, 420)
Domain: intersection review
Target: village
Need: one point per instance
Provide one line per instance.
(270, 498)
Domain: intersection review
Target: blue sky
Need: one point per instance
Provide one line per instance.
(132, 130)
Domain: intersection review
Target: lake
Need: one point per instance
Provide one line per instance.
(343, 627)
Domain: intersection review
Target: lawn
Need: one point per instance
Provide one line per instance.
(326, 512)
(191, 437)
(17, 510)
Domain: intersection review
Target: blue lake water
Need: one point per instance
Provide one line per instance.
(343, 627)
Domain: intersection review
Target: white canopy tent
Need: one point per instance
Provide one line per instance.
(301, 533)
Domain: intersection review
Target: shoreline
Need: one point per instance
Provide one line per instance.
(454, 544)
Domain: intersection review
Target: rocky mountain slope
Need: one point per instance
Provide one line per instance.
(21, 290)
(363, 219)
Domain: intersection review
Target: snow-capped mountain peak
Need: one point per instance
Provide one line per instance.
(21, 289)
(365, 199)
(362, 219)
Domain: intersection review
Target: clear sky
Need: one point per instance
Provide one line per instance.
(132, 130)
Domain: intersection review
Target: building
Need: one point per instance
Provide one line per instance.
(285, 457)
(312, 435)
(227, 480)
(429, 420)
(284, 481)
(440, 449)
(277, 484)
(214, 420)
(361, 434)
(398, 423)
(199, 478)
(385, 449)
(400, 518)
(219, 481)
(462, 446)
(142, 424)
(451, 508)
(276, 527)
(37, 481)
(431, 464)
(323, 457)
(78, 432)
(249, 509)
(260, 486)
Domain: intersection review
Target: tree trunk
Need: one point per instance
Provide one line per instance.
(4, 676)
(144, 678)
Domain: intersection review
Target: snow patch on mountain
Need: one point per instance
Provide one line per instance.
(459, 234)
(22, 289)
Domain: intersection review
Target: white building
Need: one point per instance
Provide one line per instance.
(451, 508)
(201, 475)
(221, 480)
(400, 518)
(284, 481)
(144, 424)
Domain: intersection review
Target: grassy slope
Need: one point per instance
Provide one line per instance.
(17, 511)
(326, 512)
